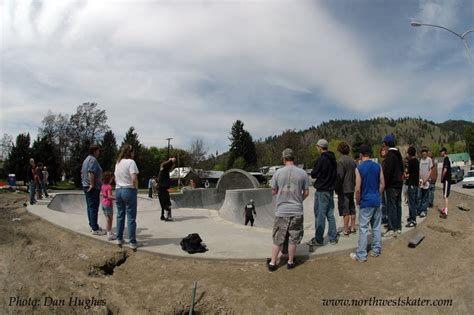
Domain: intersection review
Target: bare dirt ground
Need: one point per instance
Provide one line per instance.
(45, 269)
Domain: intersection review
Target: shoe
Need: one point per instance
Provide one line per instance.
(354, 257)
(443, 216)
(333, 242)
(169, 219)
(389, 233)
(111, 237)
(399, 231)
(411, 224)
(352, 230)
(119, 242)
(99, 231)
(290, 265)
(346, 233)
(422, 214)
(418, 213)
(385, 225)
(162, 218)
(135, 245)
(373, 254)
(313, 242)
(430, 205)
(270, 268)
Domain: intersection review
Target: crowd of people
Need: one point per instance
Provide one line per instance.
(97, 184)
(375, 189)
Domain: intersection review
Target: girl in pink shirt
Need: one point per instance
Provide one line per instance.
(107, 203)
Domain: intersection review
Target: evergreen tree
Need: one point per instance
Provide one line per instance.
(242, 145)
(108, 153)
(18, 159)
(44, 150)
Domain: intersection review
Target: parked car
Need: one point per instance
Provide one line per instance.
(468, 181)
(457, 174)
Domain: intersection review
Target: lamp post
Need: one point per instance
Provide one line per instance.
(461, 36)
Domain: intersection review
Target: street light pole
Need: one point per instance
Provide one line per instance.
(169, 139)
(461, 36)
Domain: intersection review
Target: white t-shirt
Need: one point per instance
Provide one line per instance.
(123, 173)
(425, 167)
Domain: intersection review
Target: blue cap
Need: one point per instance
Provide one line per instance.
(389, 138)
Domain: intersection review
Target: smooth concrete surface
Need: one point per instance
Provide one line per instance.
(224, 239)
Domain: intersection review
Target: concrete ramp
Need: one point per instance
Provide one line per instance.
(76, 203)
(235, 201)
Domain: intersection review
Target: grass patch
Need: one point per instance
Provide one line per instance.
(62, 186)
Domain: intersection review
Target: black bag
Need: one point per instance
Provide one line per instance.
(193, 244)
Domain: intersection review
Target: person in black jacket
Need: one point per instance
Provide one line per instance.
(393, 173)
(164, 184)
(325, 173)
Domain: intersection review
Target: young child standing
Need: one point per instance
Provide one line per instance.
(107, 203)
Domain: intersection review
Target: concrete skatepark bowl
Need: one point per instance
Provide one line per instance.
(216, 214)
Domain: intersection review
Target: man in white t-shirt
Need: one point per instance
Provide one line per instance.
(426, 164)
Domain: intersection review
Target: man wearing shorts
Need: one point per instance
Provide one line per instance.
(291, 187)
(446, 180)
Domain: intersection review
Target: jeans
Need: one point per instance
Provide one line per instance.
(31, 191)
(423, 203)
(126, 199)
(92, 202)
(394, 208)
(432, 193)
(412, 202)
(324, 208)
(372, 215)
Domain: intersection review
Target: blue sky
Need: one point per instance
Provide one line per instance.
(188, 69)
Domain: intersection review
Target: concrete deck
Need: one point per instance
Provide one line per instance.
(224, 239)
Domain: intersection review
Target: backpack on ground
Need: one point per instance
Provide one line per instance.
(193, 244)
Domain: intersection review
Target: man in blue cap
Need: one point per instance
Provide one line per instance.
(393, 174)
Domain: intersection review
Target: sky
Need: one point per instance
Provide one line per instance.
(189, 69)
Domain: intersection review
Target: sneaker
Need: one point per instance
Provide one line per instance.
(389, 233)
(169, 219)
(354, 257)
(313, 242)
(374, 254)
(111, 237)
(346, 233)
(411, 224)
(134, 245)
(119, 242)
(290, 265)
(399, 231)
(162, 218)
(422, 214)
(99, 231)
(270, 268)
(333, 242)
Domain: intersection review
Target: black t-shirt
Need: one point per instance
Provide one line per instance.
(413, 172)
(249, 210)
(447, 166)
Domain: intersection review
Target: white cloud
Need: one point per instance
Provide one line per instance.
(186, 69)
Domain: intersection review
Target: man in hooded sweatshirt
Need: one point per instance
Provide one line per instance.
(325, 173)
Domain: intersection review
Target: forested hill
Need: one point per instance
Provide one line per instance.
(412, 131)
(408, 131)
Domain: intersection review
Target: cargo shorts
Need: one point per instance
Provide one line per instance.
(291, 227)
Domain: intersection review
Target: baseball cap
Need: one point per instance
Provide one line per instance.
(365, 149)
(389, 138)
(323, 143)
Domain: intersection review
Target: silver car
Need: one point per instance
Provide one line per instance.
(468, 180)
